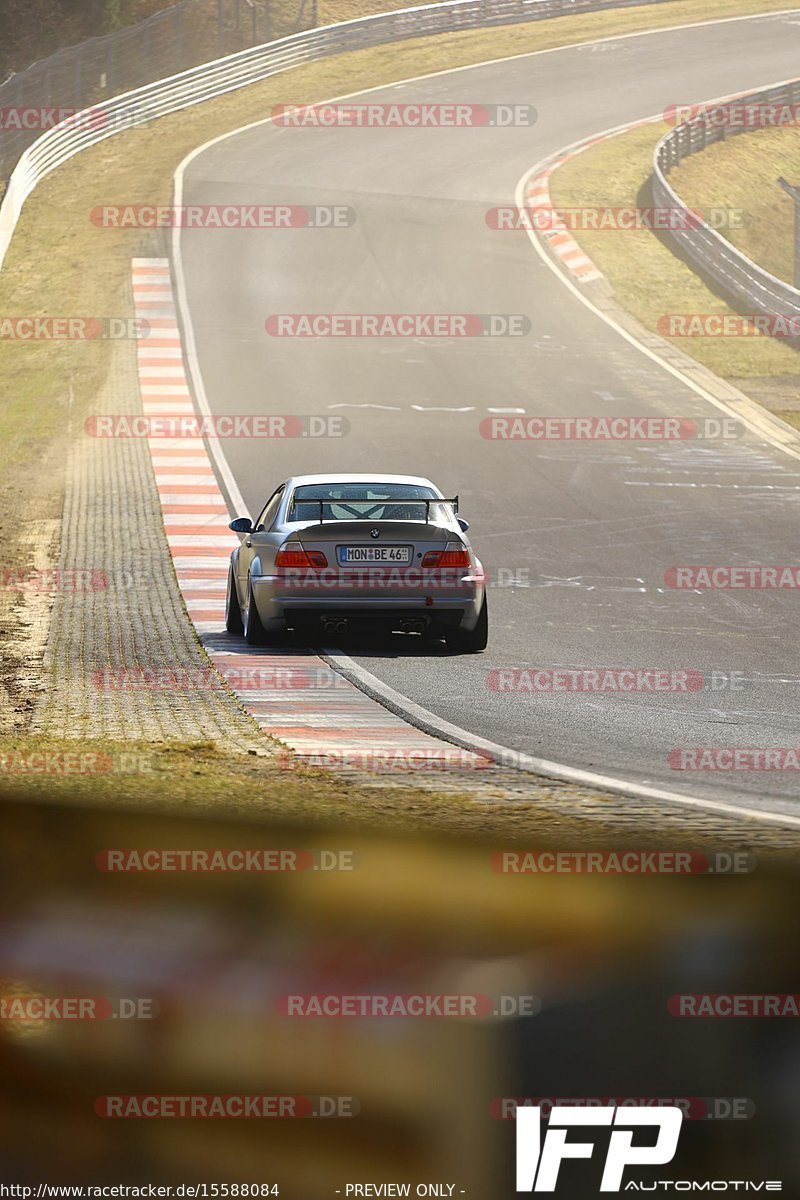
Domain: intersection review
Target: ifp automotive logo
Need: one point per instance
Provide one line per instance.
(539, 1160)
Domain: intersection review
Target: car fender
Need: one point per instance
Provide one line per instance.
(256, 567)
(234, 574)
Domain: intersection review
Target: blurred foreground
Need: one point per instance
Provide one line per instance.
(209, 983)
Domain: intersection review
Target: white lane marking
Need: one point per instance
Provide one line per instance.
(385, 407)
(506, 410)
(439, 408)
(730, 487)
(428, 721)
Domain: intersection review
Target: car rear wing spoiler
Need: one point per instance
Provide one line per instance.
(427, 501)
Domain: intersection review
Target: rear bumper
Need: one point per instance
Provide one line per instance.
(455, 604)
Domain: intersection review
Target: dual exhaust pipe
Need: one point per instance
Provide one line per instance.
(413, 625)
(339, 625)
(334, 625)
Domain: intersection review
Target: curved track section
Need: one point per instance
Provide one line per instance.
(583, 531)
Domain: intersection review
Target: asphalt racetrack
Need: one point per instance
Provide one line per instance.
(585, 531)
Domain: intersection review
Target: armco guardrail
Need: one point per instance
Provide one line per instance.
(748, 285)
(173, 39)
(249, 66)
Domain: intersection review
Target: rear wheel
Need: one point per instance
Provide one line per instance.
(253, 630)
(471, 641)
(233, 613)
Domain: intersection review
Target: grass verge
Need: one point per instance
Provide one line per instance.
(653, 282)
(201, 779)
(196, 778)
(741, 174)
(646, 275)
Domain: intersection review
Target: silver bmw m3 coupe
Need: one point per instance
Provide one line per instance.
(329, 554)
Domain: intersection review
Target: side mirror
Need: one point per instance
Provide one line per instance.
(463, 525)
(241, 525)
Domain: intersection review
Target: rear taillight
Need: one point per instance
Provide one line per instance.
(450, 557)
(300, 558)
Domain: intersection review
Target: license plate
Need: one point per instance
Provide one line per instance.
(352, 555)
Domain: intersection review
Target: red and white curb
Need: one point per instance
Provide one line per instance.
(555, 232)
(295, 697)
(537, 195)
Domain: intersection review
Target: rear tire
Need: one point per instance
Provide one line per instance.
(254, 633)
(233, 613)
(471, 641)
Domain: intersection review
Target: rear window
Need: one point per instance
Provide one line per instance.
(365, 502)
